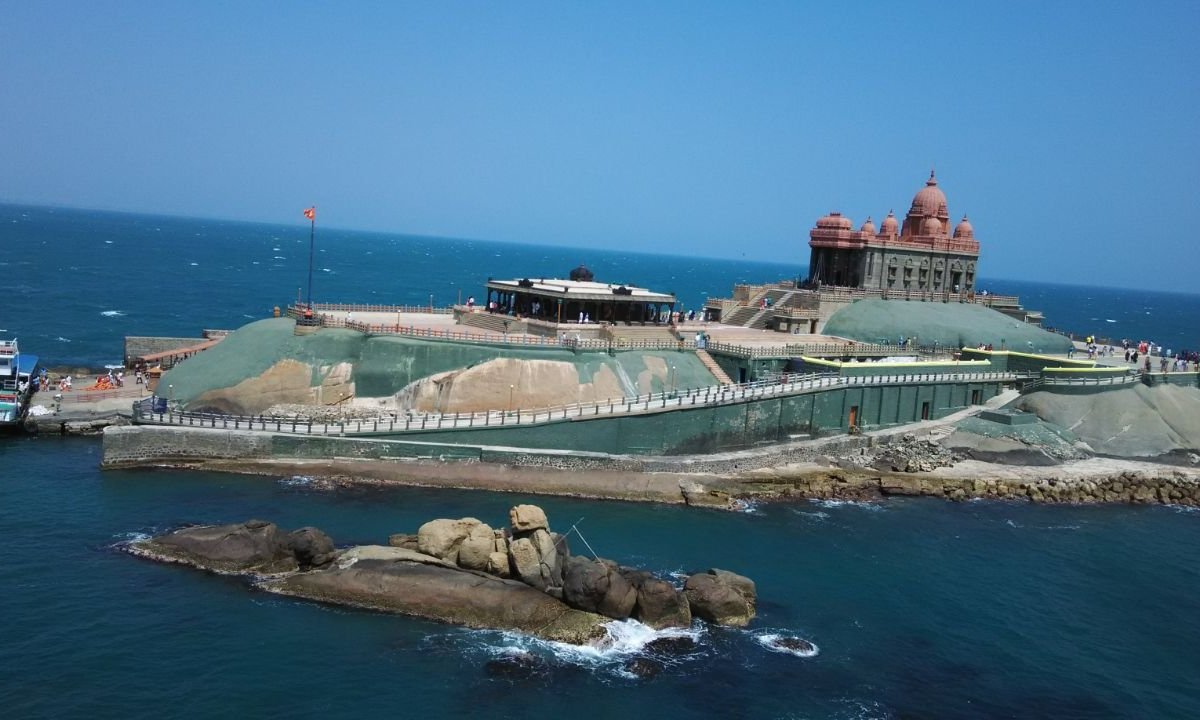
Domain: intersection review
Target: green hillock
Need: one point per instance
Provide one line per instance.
(947, 324)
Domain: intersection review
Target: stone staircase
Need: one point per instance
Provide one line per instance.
(740, 316)
(632, 334)
(494, 322)
(713, 367)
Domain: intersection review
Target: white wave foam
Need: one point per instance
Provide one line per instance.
(1184, 508)
(770, 640)
(326, 270)
(296, 481)
(108, 242)
(113, 313)
(195, 264)
(624, 639)
(818, 515)
(745, 506)
(860, 504)
(1010, 523)
(280, 257)
(60, 338)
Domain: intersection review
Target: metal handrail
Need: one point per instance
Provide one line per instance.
(707, 396)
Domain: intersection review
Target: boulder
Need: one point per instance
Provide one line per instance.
(527, 518)
(442, 538)
(476, 548)
(721, 597)
(252, 546)
(659, 604)
(311, 547)
(526, 563)
(498, 565)
(537, 559)
(598, 586)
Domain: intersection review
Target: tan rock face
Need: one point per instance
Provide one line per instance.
(526, 518)
(443, 538)
(287, 381)
(526, 563)
(508, 383)
(477, 548)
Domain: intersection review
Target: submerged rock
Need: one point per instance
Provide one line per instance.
(643, 667)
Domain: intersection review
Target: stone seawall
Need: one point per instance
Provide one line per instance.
(131, 445)
(798, 470)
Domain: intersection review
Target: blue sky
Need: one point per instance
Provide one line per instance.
(1067, 131)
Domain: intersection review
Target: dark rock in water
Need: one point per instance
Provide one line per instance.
(311, 547)
(644, 668)
(517, 666)
(681, 645)
(659, 604)
(598, 586)
(721, 597)
(252, 546)
(795, 644)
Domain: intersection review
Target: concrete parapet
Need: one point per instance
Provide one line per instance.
(143, 445)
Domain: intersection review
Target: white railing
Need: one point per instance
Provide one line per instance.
(147, 412)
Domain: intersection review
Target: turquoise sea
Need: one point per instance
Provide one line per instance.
(919, 608)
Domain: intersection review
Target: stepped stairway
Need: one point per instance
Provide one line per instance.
(634, 334)
(494, 322)
(713, 367)
(740, 316)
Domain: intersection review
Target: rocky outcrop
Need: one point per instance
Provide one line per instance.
(459, 571)
(255, 546)
(413, 586)
(721, 597)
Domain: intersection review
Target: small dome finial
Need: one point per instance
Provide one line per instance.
(932, 178)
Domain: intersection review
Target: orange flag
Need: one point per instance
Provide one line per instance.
(311, 213)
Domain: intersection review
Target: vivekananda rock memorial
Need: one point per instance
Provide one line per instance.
(921, 254)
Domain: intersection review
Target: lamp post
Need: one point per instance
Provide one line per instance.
(170, 396)
(511, 389)
(672, 381)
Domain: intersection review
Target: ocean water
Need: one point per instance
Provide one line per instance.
(919, 608)
(80, 281)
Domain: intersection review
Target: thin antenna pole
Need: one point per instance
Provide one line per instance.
(312, 236)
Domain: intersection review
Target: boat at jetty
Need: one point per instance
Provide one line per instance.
(16, 373)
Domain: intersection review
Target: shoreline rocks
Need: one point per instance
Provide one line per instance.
(520, 578)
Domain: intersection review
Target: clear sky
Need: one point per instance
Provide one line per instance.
(1067, 131)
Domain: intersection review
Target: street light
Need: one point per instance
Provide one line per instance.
(511, 388)
(672, 381)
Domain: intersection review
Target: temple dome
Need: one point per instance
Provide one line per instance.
(868, 227)
(931, 226)
(581, 274)
(930, 201)
(835, 221)
(964, 229)
(890, 225)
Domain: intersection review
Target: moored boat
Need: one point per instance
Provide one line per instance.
(17, 380)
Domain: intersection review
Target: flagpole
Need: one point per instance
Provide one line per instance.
(312, 235)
